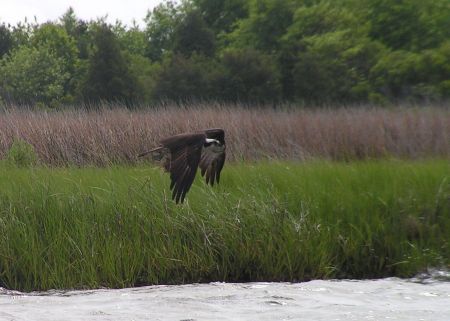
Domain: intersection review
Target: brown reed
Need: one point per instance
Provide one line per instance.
(115, 135)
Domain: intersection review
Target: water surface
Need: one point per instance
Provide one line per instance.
(422, 298)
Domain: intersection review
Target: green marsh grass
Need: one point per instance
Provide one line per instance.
(114, 227)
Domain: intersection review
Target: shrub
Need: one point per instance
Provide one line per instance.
(33, 75)
(21, 154)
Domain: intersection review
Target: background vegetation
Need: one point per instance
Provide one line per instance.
(258, 51)
(116, 135)
(117, 227)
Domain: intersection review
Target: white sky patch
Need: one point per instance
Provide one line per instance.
(14, 11)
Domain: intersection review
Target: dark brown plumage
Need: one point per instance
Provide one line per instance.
(183, 154)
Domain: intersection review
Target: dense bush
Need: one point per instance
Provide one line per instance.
(33, 75)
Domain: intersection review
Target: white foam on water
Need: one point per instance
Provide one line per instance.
(384, 299)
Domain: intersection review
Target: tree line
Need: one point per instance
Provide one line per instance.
(256, 51)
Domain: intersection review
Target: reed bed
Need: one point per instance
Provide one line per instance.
(276, 221)
(116, 135)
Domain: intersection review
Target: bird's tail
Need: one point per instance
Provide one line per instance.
(157, 153)
(145, 153)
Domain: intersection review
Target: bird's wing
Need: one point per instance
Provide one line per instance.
(185, 154)
(211, 164)
(213, 156)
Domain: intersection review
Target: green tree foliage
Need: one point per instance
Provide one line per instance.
(33, 75)
(132, 40)
(267, 22)
(322, 18)
(436, 70)
(409, 24)
(312, 51)
(145, 72)
(404, 75)
(327, 55)
(161, 23)
(108, 77)
(334, 68)
(21, 33)
(55, 39)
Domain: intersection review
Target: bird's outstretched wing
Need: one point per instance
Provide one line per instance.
(213, 156)
(185, 155)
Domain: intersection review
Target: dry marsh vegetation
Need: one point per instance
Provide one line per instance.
(117, 135)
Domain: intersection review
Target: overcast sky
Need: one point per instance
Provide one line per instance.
(13, 11)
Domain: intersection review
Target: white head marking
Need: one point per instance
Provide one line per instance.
(209, 140)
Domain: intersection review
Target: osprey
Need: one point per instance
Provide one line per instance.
(182, 154)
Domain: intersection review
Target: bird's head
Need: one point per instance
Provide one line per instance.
(210, 141)
(217, 134)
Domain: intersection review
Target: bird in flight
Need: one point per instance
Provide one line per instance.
(182, 154)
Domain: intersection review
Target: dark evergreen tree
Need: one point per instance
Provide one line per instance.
(6, 40)
(78, 29)
(183, 79)
(248, 76)
(193, 35)
(222, 15)
(108, 76)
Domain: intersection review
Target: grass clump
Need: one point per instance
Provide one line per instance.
(117, 227)
(21, 154)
